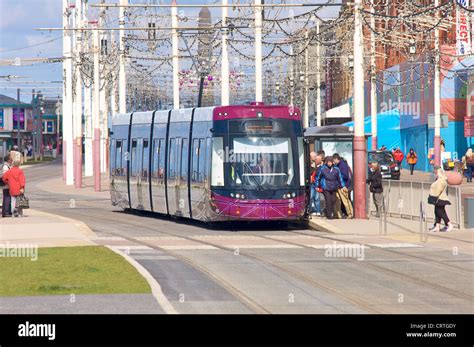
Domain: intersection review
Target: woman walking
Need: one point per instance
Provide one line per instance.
(469, 164)
(412, 159)
(329, 179)
(15, 178)
(439, 199)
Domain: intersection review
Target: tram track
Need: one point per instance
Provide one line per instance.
(401, 275)
(245, 299)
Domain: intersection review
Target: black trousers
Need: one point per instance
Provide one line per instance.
(412, 167)
(330, 197)
(440, 214)
(6, 203)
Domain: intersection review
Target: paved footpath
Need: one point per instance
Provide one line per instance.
(49, 230)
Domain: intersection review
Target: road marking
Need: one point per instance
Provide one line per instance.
(155, 286)
(394, 245)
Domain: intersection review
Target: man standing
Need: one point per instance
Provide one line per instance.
(329, 180)
(315, 201)
(6, 202)
(375, 184)
(343, 193)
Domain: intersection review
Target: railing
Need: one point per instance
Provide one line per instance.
(403, 198)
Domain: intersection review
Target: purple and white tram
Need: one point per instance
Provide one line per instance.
(211, 164)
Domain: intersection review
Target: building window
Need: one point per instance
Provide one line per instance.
(48, 127)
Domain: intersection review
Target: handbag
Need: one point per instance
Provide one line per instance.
(22, 202)
(433, 200)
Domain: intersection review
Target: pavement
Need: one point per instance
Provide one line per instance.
(398, 232)
(44, 229)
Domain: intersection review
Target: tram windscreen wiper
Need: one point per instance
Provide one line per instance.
(255, 179)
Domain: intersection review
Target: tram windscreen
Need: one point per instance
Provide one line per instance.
(261, 162)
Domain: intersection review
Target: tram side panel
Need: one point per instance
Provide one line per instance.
(118, 166)
(200, 164)
(158, 192)
(139, 161)
(178, 153)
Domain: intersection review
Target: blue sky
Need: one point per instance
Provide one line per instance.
(20, 18)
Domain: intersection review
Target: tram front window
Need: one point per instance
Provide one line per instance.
(261, 162)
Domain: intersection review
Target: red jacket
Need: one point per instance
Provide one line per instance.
(398, 156)
(15, 178)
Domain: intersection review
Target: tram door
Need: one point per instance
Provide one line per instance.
(177, 176)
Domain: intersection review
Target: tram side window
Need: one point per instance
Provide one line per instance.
(217, 168)
(172, 160)
(118, 158)
(195, 161)
(202, 158)
(134, 158)
(161, 163)
(155, 158)
(145, 159)
(184, 159)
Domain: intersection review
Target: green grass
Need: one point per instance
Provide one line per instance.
(70, 270)
(31, 161)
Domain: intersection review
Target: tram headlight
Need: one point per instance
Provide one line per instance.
(237, 196)
(243, 197)
(231, 195)
(293, 195)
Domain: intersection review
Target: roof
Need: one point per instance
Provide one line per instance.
(7, 101)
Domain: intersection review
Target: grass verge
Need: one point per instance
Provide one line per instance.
(70, 270)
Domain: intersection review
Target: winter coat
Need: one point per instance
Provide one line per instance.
(412, 159)
(329, 179)
(398, 156)
(375, 181)
(15, 178)
(345, 172)
(438, 187)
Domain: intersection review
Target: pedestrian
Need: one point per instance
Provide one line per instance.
(343, 194)
(15, 178)
(6, 201)
(398, 156)
(329, 180)
(374, 181)
(315, 201)
(412, 159)
(469, 164)
(439, 199)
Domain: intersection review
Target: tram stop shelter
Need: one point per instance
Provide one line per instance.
(332, 139)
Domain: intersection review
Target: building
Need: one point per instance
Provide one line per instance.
(15, 123)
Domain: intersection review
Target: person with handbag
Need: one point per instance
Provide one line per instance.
(15, 178)
(439, 199)
(6, 201)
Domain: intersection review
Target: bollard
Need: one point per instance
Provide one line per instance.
(385, 208)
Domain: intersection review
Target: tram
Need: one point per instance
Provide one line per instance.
(212, 164)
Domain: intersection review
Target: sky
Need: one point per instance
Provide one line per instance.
(19, 20)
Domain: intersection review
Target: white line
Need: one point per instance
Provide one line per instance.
(155, 286)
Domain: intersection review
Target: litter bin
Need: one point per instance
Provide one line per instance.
(469, 213)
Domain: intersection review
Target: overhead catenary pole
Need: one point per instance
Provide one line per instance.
(306, 83)
(122, 76)
(373, 78)
(77, 103)
(318, 78)
(258, 52)
(360, 152)
(175, 53)
(225, 59)
(437, 96)
(96, 112)
(88, 85)
(103, 104)
(68, 145)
